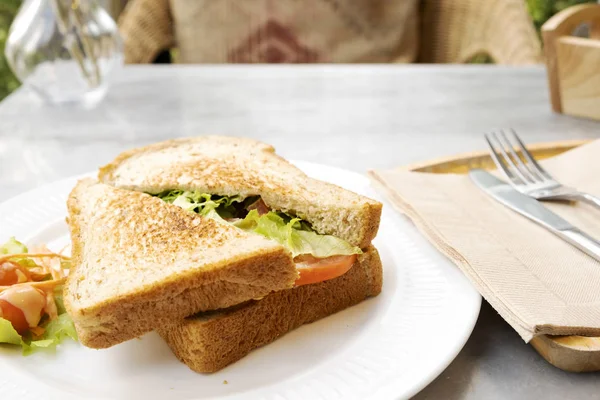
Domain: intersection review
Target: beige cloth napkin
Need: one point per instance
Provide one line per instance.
(537, 282)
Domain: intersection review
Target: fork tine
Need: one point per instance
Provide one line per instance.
(497, 160)
(510, 161)
(532, 163)
(518, 161)
(536, 175)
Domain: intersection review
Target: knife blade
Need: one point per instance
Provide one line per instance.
(536, 212)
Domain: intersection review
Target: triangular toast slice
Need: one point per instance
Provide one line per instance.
(210, 341)
(230, 166)
(140, 262)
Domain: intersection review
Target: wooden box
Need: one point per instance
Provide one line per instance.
(574, 62)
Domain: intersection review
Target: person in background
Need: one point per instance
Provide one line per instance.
(329, 31)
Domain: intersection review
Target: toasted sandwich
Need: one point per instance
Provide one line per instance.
(243, 184)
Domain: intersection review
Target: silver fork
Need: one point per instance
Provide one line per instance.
(526, 175)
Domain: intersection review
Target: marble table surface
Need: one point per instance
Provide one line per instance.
(354, 117)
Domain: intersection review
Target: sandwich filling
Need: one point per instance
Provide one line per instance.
(318, 257)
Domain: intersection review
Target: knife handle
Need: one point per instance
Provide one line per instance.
(582, 241)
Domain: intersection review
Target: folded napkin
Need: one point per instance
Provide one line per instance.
(537, 282)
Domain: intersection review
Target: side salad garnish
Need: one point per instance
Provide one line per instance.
(32, 314)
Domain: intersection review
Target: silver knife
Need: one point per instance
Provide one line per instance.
(536, 212)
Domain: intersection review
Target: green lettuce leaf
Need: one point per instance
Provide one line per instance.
(295, 236)
(170, 195)
(55, 332)
(187, 203)
(38, 345)
(209, 210)
(66, 264)
(13, 246)
(322, 246)
(293, 233)
(58, 300)
(209, 206)
(8, 334)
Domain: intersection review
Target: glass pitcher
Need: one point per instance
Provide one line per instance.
(65, 50)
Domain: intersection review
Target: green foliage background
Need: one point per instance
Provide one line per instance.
(8, 82)
(540, 11)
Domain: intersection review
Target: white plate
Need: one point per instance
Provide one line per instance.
(387, 347)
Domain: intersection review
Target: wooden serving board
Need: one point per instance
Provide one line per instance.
(569, 353)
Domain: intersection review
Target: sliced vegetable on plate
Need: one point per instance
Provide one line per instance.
(31, 311)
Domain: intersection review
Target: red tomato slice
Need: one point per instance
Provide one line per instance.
(11, 273)
(23, 306)
(315, 270)
(14, 315)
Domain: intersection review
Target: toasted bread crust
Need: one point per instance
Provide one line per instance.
(139, 261)
(235, 166)
(210, 342)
